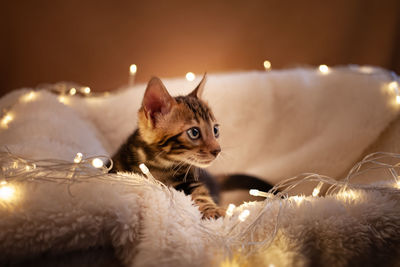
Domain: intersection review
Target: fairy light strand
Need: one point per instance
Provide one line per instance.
(243, 215)
(230, 210)
(78, 157)
(7, 192)
(25, 169)
(190, 76)
(29, 97)
(258, 193)
(267, 65)
(324, 69)
(49, 170)
(317, 189)
(97, 163)
(132, 74)
(8, 117)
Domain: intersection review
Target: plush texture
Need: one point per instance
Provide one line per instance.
(274, 125)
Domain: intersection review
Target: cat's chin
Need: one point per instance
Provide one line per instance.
(202, 164)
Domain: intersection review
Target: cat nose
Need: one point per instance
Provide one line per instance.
(215, 152)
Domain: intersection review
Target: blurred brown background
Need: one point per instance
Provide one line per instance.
(93, 42)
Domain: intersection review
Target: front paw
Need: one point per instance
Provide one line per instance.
(213, 213)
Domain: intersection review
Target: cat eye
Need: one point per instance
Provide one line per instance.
(193, 133)
(216, 130)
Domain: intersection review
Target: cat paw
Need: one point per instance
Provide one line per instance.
(213, 213)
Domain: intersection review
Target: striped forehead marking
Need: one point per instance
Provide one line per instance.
(199, 109)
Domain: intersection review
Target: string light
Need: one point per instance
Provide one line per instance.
(8, 194)
(243, 215)
(29, 97)
(78, 158)
(97, 163)
(86, 90)
(230, 209)
(258, 193)
(146, 171)
(366, 69)
(132, 74)
(267, 65)
(133, 69)
(190, 76)
(348, 194)
(72, 91)
(63, 99)
(6, 120)
(324, 69)
(317, 189)
(393, 86)
(298, 199)
(6, 191)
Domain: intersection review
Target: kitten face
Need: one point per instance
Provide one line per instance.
(183, 128)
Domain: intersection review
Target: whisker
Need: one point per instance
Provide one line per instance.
(187, 172)
(178, 167)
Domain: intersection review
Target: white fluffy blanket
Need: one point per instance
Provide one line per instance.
(274, 125)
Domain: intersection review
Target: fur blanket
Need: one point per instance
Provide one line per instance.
(274, 125)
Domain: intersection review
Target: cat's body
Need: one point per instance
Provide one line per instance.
(176, 138)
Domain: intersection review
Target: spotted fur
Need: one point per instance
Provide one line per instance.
(163, 143)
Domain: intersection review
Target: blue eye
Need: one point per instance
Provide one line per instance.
(193, 133)
(216, 130)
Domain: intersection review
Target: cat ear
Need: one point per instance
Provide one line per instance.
(198, 91)
(156, 99)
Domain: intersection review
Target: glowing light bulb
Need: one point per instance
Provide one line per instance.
(132, 74)
(315, 192)
(243, 215)
(267, 65)
(146, 171)
(132, 69)
(6, 192)
(190, 76)
(298, 199)
(324, 69)
(29, 96)
(398, 99)
(393, 86)
(348, 194)
(78, 158)
(230, 209)
(63, 99)
(97, 163)
(6, 120)
(317, 189)
(258, 193)
(72, 91)
(397, 184)
(30, 167)
(366, 69)
(144, 168)
(86, 90)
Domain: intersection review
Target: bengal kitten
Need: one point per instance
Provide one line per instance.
(176, 137)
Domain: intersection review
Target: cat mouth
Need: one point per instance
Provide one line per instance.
(201, 163)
